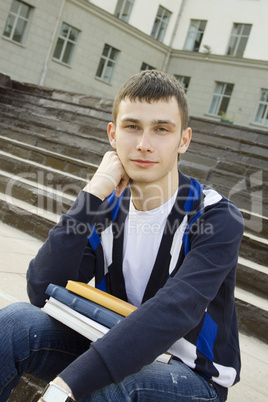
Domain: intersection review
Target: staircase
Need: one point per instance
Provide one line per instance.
(51, 143)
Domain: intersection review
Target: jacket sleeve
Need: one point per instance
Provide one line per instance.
(66, 254)
(175, 310)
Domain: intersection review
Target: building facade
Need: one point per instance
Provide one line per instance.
(216, 49)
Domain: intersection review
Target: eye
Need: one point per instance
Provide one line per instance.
(162, 129)
(132, 127)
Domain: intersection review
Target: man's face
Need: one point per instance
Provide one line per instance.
(148, 138)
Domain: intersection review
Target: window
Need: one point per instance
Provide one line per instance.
(17, 21)
(184, 81)
(66, 43)
(146, 66)
(123, 9)
(238, 40)
(221, 98)
(262, 110)
(195, 35)
(107, 63)
(160, 24)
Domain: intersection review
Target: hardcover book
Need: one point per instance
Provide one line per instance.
(89, 311)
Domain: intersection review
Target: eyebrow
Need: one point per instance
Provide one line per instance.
(155, 122)
(164, 122)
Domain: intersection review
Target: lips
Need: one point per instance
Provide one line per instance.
(143, 163)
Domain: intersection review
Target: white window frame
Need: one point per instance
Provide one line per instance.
(107, 64)
(161, 23)
(66, 41)
(123, 9)
(17, 19)
(220, 96)
(261, 116)
(195, 35)
(184, 81)
(235, 47)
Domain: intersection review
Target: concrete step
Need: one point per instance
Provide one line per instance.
(254, 248)
(83, 146)
(252, 314)
(32, 121)
(248, 154)
(46, 158)
(215, 129)
(252, 277)
(46, 175)
(20, 93)
(36, 193)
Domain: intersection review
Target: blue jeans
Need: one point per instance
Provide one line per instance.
(32, 342)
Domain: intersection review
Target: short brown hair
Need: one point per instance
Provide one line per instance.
(153, 85)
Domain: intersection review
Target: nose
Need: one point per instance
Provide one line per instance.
(144, 142)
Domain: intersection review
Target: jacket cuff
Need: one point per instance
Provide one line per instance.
(84, 207)
(86, 374)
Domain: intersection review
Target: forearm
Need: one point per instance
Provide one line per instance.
(61, 256)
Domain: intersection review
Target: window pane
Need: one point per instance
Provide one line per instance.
(160, 12)
(118, 8)
(64, 30)
(238, 40)
(24, 11)
(108, 71)
(246, 29)
(202, 25)
(195, 35)
(58, 49)
(160, 23)
(106, 50)
(100, 68)
(161, 34)
(264, 96)
(73, 35)
(15, 6)
(9, 24)
(155, 28)
(229, 89)
(214, 104)
(127, 11)
(224, 105)
(20, 27)
(241, 47)
(68, 53)
(113, 54)
(218, 88)
(237, 28)
(262, 115)
(146, 66)
(232, 45)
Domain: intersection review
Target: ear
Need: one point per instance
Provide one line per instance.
(185, 140)
(111, 134)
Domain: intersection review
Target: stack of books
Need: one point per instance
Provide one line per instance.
(88, 310)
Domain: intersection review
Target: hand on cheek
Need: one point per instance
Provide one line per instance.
(109, 176)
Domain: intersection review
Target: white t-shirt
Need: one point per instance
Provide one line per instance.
(142, 237)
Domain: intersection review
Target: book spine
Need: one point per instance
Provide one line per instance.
(102, 298)
(84, 306)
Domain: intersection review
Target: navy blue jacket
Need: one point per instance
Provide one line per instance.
(190, 292)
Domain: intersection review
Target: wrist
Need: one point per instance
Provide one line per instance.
(57, 390)
(94, 190)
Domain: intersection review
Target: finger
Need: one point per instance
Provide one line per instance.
(122, 185)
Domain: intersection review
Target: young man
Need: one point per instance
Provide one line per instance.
(149, 235)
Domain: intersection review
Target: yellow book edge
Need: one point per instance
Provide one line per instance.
(98, 296)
